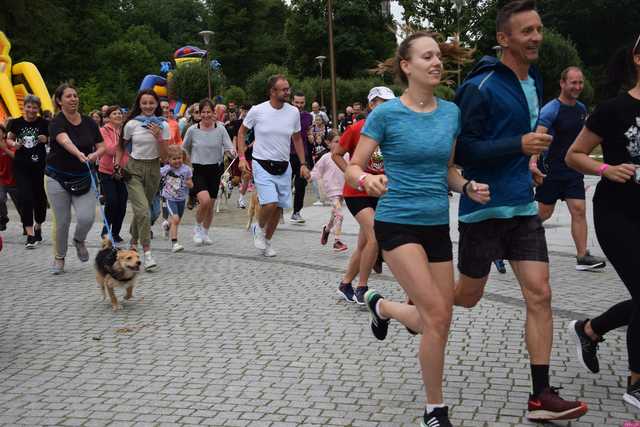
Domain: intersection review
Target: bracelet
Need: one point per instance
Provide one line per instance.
(242, 157)
(603, 167)
(361, 179)
(464, 188)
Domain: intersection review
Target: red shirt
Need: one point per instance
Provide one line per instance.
(349, 141)
(6, 169)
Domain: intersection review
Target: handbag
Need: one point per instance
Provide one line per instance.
(273, 167)
(76, 185)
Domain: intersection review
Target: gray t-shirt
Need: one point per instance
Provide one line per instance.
(207, 146)
(143, 144)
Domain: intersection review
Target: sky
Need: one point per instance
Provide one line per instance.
(396, 11)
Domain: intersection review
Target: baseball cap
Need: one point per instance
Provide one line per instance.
(380, 92)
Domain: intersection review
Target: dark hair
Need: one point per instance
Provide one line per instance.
(3, 129)
(357, 103)
(57, 95)
(111, 109)
(450, 52)
(329, 135)
(271, 83)
(246, 107)
(622, 72)
(136, 110)
(565, 72)
(510, 9)
(207, 102)
(299, 93)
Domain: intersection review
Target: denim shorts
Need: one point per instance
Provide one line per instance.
(172, 207)
(520, 238)
(272, 188)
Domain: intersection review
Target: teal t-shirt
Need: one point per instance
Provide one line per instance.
(530, 92)
(416, 148)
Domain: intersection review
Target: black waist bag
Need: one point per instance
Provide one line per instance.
(273, 167)
(76, 185)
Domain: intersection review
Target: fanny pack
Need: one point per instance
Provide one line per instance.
(74, 184)
(273, 167)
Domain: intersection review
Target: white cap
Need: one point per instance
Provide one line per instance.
(380, 92)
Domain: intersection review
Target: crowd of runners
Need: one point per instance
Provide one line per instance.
(393, 166)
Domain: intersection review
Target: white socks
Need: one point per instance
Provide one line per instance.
(430, 407)
(378, 310)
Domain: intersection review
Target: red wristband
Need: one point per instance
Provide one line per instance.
(361, 179)
(603, 167)
(242, 157)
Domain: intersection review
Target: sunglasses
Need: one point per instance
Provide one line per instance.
(635, 46)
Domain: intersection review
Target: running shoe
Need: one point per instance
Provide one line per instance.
(499, 263)
(324, 237)
(268, 250)
(30, 243)
(259, 240)
(197, 235)
(318, 203)
(548, 405)
(379, 326)
(58, 266)
(358, 295)
(338, 246)
(81, 250)
(3, 225)
(206, 240)
(439, 417)
(149, 263)
(37, 233)
(242, 203)
(345, 290)
(177, 247)
(589, 262)
(586, 348)
(165, 228)
(632, 396)
(296, 218)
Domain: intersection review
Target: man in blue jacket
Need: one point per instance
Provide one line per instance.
(499, 102)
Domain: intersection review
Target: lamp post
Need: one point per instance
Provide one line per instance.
(320, 60)
(332, 64)
(206, 36)
(459, 4)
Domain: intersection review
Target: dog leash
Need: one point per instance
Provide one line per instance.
(94, 186)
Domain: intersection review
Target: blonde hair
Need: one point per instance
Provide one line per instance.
(174, 151)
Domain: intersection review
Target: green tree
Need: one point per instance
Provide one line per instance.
(235, 93)
(362, 36)
(256, 86)
(189, 83)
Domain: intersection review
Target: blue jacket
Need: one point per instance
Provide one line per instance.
(495, 115)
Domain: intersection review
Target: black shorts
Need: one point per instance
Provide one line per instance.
(517, 239)
(553, 190)
(356, 204)
(435, 239)
(207, 178)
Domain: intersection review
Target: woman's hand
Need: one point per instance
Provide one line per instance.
(375, 185)
(620, 173)
(477, 192)
(92, 157)
(82, 157)
(156, 131)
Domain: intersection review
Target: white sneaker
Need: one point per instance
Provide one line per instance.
(197, 234)
(269, 251)
(149, 263)
(205, 237)
(259, 240)
(242, 203)
(318, 203)
(165, 228)
(177, 247)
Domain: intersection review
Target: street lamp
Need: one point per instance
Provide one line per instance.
(206, 36)
(332, 64)
(320, 60)
(458, 5)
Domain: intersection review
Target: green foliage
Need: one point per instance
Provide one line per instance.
(189, 83)
(91, 96)
(556, 54)
(256, 86)
(235, 93)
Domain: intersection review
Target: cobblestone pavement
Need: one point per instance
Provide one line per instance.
(222, 336)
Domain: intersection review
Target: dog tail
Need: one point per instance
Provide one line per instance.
(106, 243)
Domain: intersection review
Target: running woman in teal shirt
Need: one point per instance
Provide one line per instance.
(416, 135)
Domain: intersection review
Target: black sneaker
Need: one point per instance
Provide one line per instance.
(345, 290)
(379, 326)
(37, 233)
(3, 225)
(586, 348)
(589, 262)
(439, 417)
(632, 396)
(358, 295)
(31, 242)
(499, 263)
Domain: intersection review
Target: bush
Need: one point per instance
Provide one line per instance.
(189, 83)
(556, 54)
(235, 93)
(256, 85)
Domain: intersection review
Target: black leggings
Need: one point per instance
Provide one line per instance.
(33, 199)
(299, 183)
(115, 203)
(618, 233)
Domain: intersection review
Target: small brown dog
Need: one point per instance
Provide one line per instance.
(116, 268)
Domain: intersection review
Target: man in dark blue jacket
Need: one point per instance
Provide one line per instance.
(499, 102)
